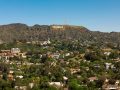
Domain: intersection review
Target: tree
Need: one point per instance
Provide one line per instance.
(73, 85)
(4, 76)
(113, 55)
(91, 56)
(4, 68)
(43, 84)
(12, 84)
(99, 83)
(4, 85)
(44, 58)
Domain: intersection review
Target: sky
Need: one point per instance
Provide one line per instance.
(96, 15)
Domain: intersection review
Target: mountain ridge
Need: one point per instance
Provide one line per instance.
(19, 31)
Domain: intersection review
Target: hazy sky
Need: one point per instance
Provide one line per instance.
(100, 15)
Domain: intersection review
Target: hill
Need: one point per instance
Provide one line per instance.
(18, 31)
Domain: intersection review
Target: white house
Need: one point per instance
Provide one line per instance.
(57, 84)
(20, 76)
(15, 50)
(108, 65)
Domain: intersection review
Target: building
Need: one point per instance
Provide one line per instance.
(10, 75)
(91, 79)
(108, 65)
(15, 50)
(108, 86)
(5, 54)
(57, 84)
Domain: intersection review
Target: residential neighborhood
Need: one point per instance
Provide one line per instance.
(58, 65)
(59, 44)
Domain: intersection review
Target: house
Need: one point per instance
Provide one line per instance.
(107, 53)
(45, 42)
(5, 54)
(31, 85)
(19, 76)
(11, 72)
(10, 75)
(111, 87)
(73, 70)
(107, 86)
(15, 50)
(108, 65)
(67, 54)
(28, 42)
(91, 79)
(5, 51)
(55, 55)
(57, 84)
(65, 79)
(20, 87)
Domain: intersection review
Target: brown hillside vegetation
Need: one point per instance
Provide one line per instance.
(18, 31)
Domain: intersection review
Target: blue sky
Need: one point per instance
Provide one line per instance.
(96, 15)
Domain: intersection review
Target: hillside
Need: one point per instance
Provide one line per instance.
(18, 31)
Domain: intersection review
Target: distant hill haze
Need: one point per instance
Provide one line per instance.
(18, 31)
